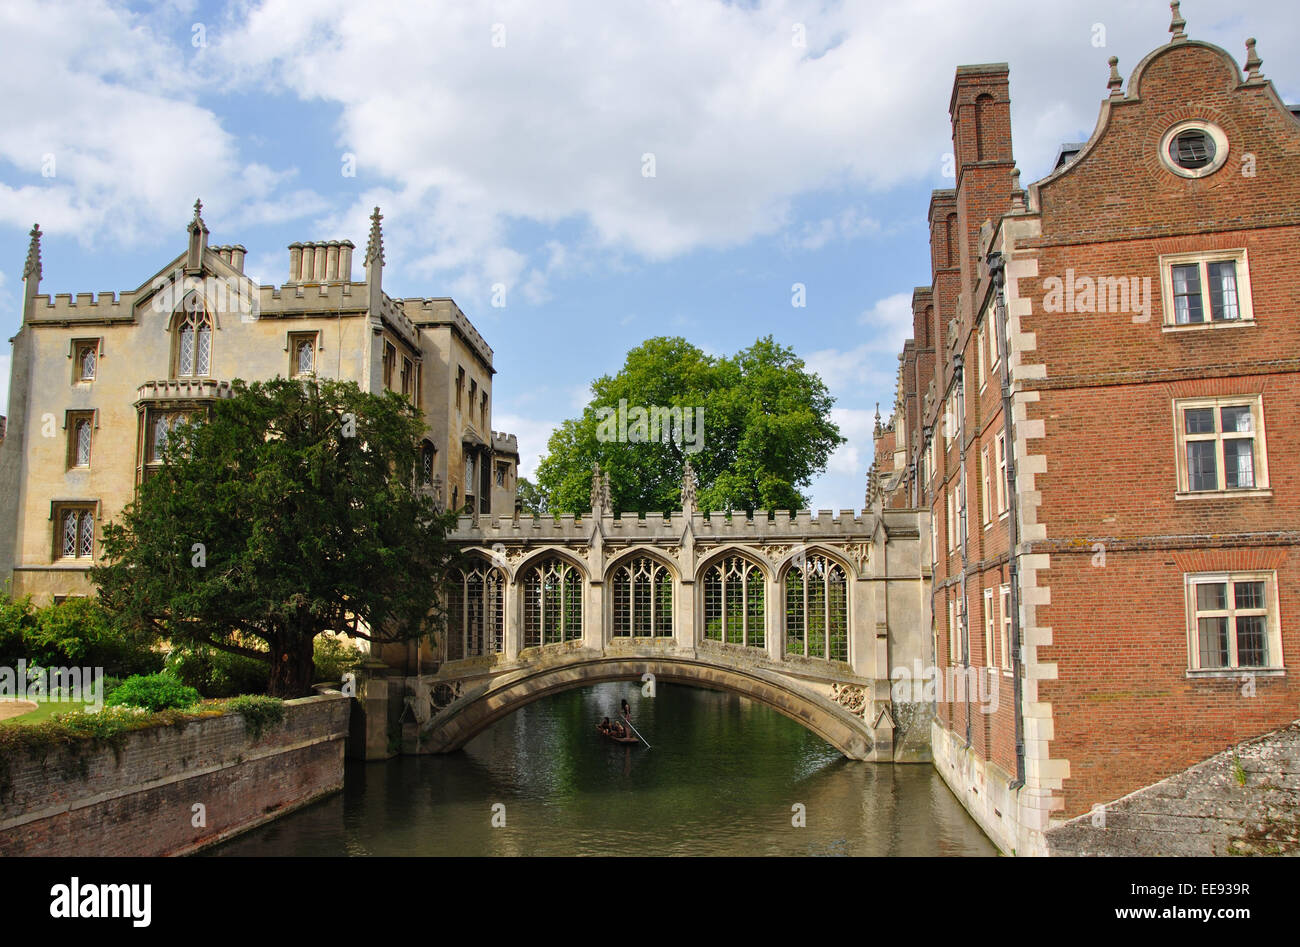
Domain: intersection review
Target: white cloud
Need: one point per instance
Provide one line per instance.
(101, 119)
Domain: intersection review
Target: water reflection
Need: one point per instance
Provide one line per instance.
(722, 778)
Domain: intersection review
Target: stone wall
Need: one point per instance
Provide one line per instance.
(140, 800)
(1243, 801)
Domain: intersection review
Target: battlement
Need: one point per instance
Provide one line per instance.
(504, 443)
(783, 525)
(62, 307)
(442, 310)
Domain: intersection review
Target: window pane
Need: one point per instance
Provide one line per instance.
(186, 359)
(1223, 290)
(1202, 466)
(1248, 594)
(1239, 462)
(87, 534)
(69, 544)
(1211, 596)
(305, 352)
(1237, 419)
(1187, 294)
(83, 443)
(1214, 642)
(88, 362)
(1198, 420)
(1252, 647)
(204, 350)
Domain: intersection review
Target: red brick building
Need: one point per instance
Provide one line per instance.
(1100, 410)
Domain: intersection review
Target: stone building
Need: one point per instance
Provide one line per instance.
(1099, 407)
(99, 382)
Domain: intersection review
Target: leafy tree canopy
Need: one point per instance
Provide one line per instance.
(290, 511)
(764, 434)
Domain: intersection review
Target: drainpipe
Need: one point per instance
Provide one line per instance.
(997, 270)
(959, 376)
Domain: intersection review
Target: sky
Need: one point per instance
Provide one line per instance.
(509, 143)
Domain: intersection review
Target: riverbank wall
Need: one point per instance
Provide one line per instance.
(172, 790)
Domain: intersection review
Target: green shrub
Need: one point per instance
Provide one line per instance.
(334, 657)
(218, 673)
(259, 712)
(153, 692)
(17, 621)
(77, 632)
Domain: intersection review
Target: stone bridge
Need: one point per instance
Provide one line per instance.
(805, 614)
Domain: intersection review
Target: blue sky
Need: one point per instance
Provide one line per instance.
(504, 142)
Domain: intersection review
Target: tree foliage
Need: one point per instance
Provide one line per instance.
(290, 511)
(766, 432)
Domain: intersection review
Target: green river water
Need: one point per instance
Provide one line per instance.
(722, 778)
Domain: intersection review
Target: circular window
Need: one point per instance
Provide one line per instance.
(1193, 149)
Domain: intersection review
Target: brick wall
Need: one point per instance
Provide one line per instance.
(1243, 801)
(140, 800)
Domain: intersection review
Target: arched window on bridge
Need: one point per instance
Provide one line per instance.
(735, 600)
(643, 600)
(817, 610)
(552, 603)
(476, 612)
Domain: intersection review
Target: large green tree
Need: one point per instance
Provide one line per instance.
(290, 511)
(765, 432)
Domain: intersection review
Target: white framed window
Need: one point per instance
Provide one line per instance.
(1232, 621)
(1193, 149)
(979, 357)
(81, 427)
(74, 531)
(302, 354)
(1206, 289)
(952, 631)
(934, 540)
(987, 494)
(929, 459)
(952, 518)
(994, 359)
(1004, 593)
(85, 353)
(1002, 472)
(990, 653)
(963, 631)
(1220, 445)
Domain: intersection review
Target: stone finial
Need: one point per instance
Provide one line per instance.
(197, 223)
(606, 497)
(1176, 25)
(1017, 192)
(32, 268)
(1253, 62)
(878, 430)
(375, 246)
(1116, 82)
(597, 488)
(689, 483)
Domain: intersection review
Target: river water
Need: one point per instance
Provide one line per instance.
(724, 776)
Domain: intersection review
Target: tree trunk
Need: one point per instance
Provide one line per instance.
(292, 668)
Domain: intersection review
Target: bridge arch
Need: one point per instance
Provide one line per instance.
(485, 704)
(621, 558)
(532, 557)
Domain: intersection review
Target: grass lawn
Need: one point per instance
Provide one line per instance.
(44, 711)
